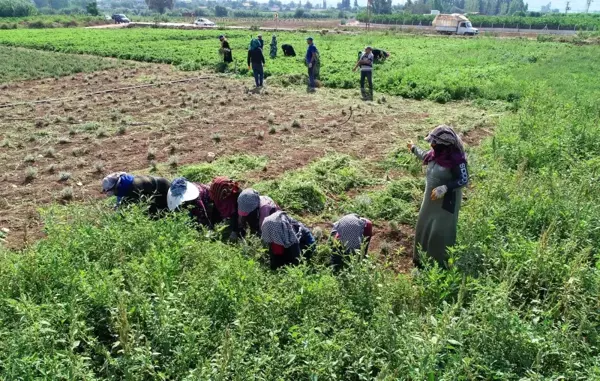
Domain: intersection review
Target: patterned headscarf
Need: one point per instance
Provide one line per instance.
(224, 193)
(453, 155)
(350, 230)
(248, 201)
(278, 228)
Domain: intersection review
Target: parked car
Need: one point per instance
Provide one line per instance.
(454, 24)
(120, 19)
(205, 23)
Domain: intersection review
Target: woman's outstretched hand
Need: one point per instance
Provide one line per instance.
(410, 145)
(438, 192)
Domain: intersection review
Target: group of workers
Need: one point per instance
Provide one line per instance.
(245, 211)
(256, 62)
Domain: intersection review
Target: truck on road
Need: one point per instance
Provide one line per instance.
(454, 24)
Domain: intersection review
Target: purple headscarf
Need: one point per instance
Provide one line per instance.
(450, 151)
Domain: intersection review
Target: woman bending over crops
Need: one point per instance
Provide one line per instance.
(350, 234)
(224, 194)
(253, 209)
(193, 197)
(446, 175)
(132, 189)
(287, 239)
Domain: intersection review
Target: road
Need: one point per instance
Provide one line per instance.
(425, 28)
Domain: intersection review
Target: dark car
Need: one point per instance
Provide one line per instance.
(120, 19)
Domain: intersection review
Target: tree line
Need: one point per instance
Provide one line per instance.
(534, 20)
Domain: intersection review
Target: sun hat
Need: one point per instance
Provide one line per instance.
(181, 191)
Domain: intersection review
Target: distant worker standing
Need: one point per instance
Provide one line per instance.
(365, 62)
(273, 52)
(256, 60)
(312, 62)
(225, 50)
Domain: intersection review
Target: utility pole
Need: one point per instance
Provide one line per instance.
(568, 8)
(369, 7)
(587, 9)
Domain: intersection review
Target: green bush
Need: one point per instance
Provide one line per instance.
(398, 201)
(307, 190)
(235, 167)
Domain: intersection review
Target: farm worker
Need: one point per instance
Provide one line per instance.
(132, 189)
(225, 50)
(350, 234)
(253, 209)
(273, 52)
(261, 41)
(224, 193)
(184, 194)
(312, 62)
(366, 72)
(287, 239)
(446, 175)
(257, 60)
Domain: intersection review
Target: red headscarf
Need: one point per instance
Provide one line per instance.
(224, 193)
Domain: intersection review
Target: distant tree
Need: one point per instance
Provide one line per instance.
(344, 5)
(200, 12)
(58, 4)
(503, 9)
(160, 6)
(308, 5)
(516, 6)
(355, 4)
(324, 4)
(16, 8)
(92, 8)
(473, 5)
(41, 3)
(381, 6)
(220, 11)
(299, 13)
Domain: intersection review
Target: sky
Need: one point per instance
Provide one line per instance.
(534, 5)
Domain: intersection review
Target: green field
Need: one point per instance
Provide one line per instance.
(18, 64)
(440, 69)
(111, 296)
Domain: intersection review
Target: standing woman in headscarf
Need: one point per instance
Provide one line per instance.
(224, 194)
(273, 52)
(350, 234)
(446, 175)
(131, 189)
(287, 239)
(194, 197)
(253, 209)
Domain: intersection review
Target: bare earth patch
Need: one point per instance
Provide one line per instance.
(72, 144)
